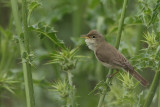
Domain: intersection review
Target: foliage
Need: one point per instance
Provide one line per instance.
(125, 94)
(150, 56)
(55, 25)
(47, 31)
(62, 88)
(65, 58)
(7, 83)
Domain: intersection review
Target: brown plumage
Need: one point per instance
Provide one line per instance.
(109, 56)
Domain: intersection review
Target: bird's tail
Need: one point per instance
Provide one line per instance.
(138, 77)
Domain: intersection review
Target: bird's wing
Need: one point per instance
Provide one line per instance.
(110, 55)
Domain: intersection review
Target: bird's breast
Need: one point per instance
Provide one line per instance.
(90, 44)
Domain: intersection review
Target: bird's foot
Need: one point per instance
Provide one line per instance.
(109, 76)
(112, 75)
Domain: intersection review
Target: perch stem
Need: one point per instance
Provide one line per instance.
(120, 28)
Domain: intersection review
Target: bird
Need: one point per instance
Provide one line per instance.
(109, 56)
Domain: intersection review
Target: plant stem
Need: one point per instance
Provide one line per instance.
(4, 54)
(25, 24)
(70, 78)
(159, 95)
(120, 27)
(152, 90)
(27, 74)
(101, 100)
(139, 38)
(72, 89)
(78, 16)
(0, 46)
(24, 48)
(102, 97)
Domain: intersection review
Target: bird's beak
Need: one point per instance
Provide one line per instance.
(84, 36)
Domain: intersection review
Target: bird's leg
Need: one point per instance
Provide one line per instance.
(112, 75)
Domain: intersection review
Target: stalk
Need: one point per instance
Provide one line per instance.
(121, 23)
(25, 24)
(0, 69)
(72, 90)
(4, 54)
(78, 16)
(101, 100)
(27, 75)
(139, 38)
(6, 57)
(152, 90)
(24, 48)
(159, 95)
(102, 97)
(0, 47)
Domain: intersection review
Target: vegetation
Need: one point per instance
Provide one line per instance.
(44, 62)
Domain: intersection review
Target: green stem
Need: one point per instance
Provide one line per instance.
(101, 100)
(9, 60)
(72, 90)
(70, 78)
(25, 24)
(0, 46)
(152, 90)
(4, 48)
(24, 49)
(4, 54)
(121, 22)
(27, 74)
(78, 16)
(102, 97)
(159, 95)
(139, 38)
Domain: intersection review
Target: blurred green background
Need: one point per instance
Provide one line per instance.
(72, 18)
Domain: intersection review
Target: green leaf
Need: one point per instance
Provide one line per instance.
(9, 89)
(2, 31)
(114, 29)
(155, 12)
(100, 84)
(31, 7)
(7, 83)
(132, 20)
(141, 99)
(49, 32)
(94, 3)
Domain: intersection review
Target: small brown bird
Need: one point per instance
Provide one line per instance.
(109, 56)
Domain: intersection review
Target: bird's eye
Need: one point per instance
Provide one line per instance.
(93, 37)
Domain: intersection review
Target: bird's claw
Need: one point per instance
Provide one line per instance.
(109, 76)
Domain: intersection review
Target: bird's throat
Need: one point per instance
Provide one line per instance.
(91, 44)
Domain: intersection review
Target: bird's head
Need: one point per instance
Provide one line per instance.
(93, 39)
